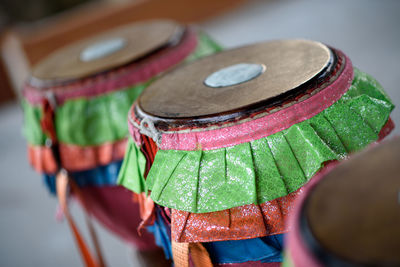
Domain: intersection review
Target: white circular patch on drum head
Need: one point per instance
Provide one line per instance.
(235, 74)
(102, 49)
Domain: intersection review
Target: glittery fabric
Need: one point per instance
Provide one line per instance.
(261, 170)
(244, 222)
(132, 177)
(135, 181)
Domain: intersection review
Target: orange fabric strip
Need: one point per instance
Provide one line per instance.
(180, 253)
(76, 158)
(198, 254)
(244, 222)
(62, 183)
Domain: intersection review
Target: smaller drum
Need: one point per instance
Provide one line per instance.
(351, 215)
(75, 105)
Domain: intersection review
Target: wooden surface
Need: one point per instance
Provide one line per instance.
(354, 211)
(141, 38)
(183, 94)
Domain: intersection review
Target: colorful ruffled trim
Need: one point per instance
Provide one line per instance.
(76, 158)
(132, 171)
(85, 122)
(244, 222)
(248, 221)
(265, 169)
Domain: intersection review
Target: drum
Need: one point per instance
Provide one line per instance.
(225, 144)
(357, 227)
(75, 107)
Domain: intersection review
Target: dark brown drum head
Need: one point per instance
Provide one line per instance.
(219, 84)
(354, 212)
(106, 51)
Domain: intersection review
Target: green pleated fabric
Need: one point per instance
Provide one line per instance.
(132, 170)
(274, 166)
(85, 121)
(31, 128)
(94, 121)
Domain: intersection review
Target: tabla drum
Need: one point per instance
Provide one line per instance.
(75, 107)
(231, 139)
(350, 215)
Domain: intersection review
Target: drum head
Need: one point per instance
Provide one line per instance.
(108, 50)
(354, 212)
(235, 79)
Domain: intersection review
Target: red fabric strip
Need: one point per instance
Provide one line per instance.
(76, 158)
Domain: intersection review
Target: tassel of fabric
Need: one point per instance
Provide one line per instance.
(198, 254)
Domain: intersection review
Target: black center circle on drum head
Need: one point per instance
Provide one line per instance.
(184, 92)
(352, 216)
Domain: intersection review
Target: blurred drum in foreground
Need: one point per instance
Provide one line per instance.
(351, 215)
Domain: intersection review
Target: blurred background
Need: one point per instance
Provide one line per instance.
(367, 31)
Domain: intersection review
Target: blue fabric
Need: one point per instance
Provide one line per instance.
(100, 176)
(162, 234)
(264, 249)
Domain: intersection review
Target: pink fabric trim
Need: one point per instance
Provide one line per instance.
(297, 251)
(265, 126)
(120, 78)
